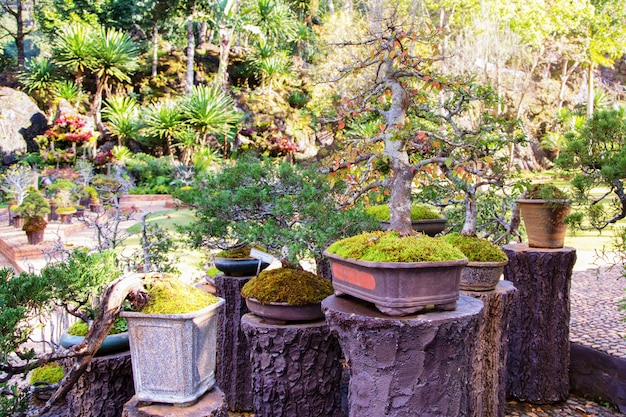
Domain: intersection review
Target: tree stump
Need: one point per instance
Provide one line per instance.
(233, 370)
(296, 369)
(211, 404)
(488, 368)
(539, 349)
(104, 387)
(417, 365)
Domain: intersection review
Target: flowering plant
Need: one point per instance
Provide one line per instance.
(71, 128)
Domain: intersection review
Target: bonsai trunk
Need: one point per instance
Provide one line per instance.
(471, 212)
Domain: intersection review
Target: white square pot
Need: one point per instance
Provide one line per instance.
(173, 355)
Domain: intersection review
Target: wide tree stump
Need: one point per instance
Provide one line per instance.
(488, 368)
(104, 387)
(211, 404)
(539, 349)
(233, 371)
(296, 369)
(417, 365)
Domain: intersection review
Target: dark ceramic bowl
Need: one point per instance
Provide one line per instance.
(242, 267)
(281, 313)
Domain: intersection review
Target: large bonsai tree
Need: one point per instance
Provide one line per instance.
(287, 209)
(423, 118)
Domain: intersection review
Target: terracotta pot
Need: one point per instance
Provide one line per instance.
(18, 222)
(66, 218)
(36, 236)
(481, 276)
(430, 227)
(281, 313)
(544, 223)
(399, 288)
(240, 267)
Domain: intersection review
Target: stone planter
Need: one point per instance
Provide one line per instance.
(281, 313)
(544, 222)
(173, 355)
(399, 288)
(481, 276)
(240, 267)
(36, 236)
(430, 227)
(113, 343)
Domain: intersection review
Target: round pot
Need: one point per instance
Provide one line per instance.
(399, 288)
(113, 343)
(281, 313)
(240, 267)
(430, 227)
(36, 236)
(544, 222)
(481, 276)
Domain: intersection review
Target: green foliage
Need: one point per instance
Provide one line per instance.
(209, 110)
(543, 191)
(51, 373)
(80, 328)
(39, 76)
(169, 295)
(476, 249)
(235, 253)
(286, 285)
(287, 209)
(33, 209)
(391, 247)
(418, 212)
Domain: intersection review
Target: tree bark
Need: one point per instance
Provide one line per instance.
(538, 361)
(488, 367)
(104, 387)
(226, 38)
(155, 49)
(590, 92)
(191, 50)
(296, 369)
(233, 370)
(418, 365)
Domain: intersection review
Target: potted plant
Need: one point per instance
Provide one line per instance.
(286, 294)
(544, 208)
(423, 219)
(486, 262)
(399, 274)
(173, 341)
(33, 209)
(116, 341)
(237, 262)
(44, 380)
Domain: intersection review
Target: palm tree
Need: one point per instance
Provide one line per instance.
(210, 111)
(225, 18)
(121, 114)
(39, 77)
(164, 121)
(274, 19)
(115, 55)
(72, 50)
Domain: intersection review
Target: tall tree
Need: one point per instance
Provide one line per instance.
(17, 26)
(225, 18)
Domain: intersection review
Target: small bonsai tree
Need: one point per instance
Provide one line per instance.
(476, 249)
(33, 209)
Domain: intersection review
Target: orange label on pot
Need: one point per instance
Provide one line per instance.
(353, 276)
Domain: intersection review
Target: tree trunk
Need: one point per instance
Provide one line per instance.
(471, 212)
(19, 34)
(538, 361)
(191, 50)
(155, 49)
(331, 8)
(566, 72)
(226, 38)
(96, 105)
(590, 92)
(202, 32)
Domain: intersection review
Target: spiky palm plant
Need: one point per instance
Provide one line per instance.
(38, 79)
(121, 114)
(72, 50)
(164, 121)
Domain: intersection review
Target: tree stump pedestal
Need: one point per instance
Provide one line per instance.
(488, 367)
(296, 369)
(417, 365)
(539, 347)
(233, 369)
(211, 404)
(104, 387)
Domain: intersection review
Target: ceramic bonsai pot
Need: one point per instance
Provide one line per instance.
(481, 276)
(36, 236)
(543, 221)
(399, 288)
(113, 343)
(282, 313)
(430, 227)
(240, 267)
(173, 355)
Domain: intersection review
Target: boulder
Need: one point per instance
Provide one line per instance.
(20, 121)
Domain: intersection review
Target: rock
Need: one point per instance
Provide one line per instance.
(20, 121)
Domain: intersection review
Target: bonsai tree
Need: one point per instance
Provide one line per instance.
(286, 209)
(33, 209)
(421, 117)
(476, 249)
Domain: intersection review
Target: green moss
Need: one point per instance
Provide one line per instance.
(475, 248)
(51, 373)
(80, 328)
(391, 247)
(284, 285)
(66, 210)
(237, 253)
(168, 295)
(418, 212)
